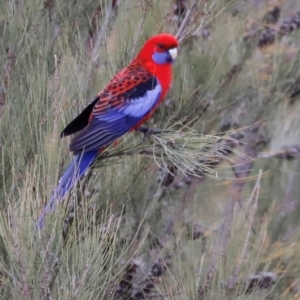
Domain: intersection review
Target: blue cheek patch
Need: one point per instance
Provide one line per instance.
(162, 58)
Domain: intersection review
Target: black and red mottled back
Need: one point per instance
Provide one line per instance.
(130, 83)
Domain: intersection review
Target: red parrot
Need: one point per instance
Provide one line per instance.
(128, 100)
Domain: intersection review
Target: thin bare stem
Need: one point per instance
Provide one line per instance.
(111, 11)
(183, 27)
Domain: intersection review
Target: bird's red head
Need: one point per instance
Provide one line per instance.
(159, 50)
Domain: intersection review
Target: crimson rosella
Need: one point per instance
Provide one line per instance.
(128, 100)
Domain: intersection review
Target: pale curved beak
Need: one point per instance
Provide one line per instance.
(173, 53)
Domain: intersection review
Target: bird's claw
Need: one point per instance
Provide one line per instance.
(148, 131)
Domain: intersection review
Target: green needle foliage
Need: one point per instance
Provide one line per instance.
(205, 209)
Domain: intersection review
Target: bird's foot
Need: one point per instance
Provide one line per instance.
(148, 131)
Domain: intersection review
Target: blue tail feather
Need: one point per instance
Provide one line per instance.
(71, 176)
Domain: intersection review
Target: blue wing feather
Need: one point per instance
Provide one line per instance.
(72, 174)
(105, 128)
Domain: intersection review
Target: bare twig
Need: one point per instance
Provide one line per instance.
(110, 14)
(253, 203)
(56, 102)
(288, 152)
(186, 21)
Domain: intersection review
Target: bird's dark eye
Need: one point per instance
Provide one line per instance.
(161, 46)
